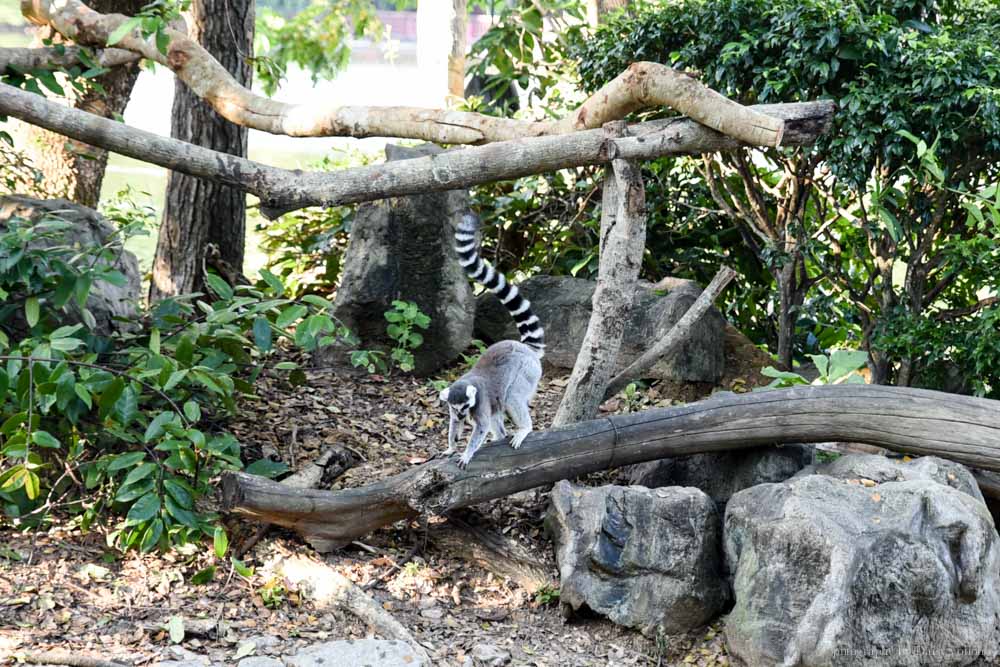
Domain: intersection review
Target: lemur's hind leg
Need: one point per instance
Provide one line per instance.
(497, 430)
(520, 414)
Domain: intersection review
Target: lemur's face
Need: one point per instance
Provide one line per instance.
(462, 402)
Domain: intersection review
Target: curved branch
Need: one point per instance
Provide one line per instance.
(24, 59)
(284, 190)
(917, 421)
(643, 85)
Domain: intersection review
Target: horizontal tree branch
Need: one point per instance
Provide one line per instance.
(916, 421)
(643, 85)
(955, 313)
(50, 57)
(283, 190)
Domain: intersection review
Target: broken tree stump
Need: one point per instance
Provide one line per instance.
(916, 421)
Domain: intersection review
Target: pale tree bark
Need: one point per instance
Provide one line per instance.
(283, 190)
(623, 239)
(51, 57)
(643, 85)
(459, 46)
(915, 421)
(596, 9)
(72, 169)
(200, 211)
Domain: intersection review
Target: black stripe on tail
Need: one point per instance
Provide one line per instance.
(483, 272)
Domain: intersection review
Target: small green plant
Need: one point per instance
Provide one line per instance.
(841, 367)
(273, 594)
(403, 318)
(634, 398)
(471, 359)
(546, 595)
(372, 361)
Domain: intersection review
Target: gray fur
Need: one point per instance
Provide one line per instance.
(504, 381)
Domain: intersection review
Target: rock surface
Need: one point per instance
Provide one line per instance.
(113, 307)
(563, 305)
(488, 655)
(357, 653)
(645, 558)
(721, 474)
(403, 249)
(871, 562)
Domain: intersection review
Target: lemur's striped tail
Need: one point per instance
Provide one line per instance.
(483, 272)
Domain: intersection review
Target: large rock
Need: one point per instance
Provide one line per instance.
(114, 307)
(877, 563)
(404, 249)
(645, 558)
(357, 653)
(722, 474)
(563, 305)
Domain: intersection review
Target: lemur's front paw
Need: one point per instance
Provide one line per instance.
(463, 462)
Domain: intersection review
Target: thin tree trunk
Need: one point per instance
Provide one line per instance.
(459, 45)
(623, 239)
(72, 169)
(198, 212)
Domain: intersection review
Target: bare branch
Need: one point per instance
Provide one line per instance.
(24, 59)
(282, 190)
(643, 85)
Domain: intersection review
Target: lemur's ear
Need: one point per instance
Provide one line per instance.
(470, 393)
(444, 395)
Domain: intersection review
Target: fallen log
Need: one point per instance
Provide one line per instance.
(916, 421)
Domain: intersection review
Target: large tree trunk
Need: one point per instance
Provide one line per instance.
(623, 239)
(198, 211)
(72, 169)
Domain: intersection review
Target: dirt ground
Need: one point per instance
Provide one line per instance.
(65, 590)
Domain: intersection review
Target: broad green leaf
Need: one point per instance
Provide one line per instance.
(219, 286)
(44, 439)
(179, 513)
(126, 460)
(843, 362)
(156, 427)
(31, 310)
(154, 341)
(125, 28)
(220, 542)
(179, 493)
(203, 576)
(32, 485)
(66, 344)
(262, 333)
(174, 379)
(138, 473)
(143, 509)
(192, 411)
(290, 315)
(822, 363)
(241, 568)
(65, 332)
(151, 535)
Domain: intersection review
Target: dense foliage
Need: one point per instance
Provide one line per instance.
(128, 423)
(876, 247)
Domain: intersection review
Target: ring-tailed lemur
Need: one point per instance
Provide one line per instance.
(506, 376)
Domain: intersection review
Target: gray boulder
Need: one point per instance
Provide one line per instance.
(404, 249)
(721, 474)
(114, 307)
(645, 558)
(563, 305)
(357, 653)
(878, 563)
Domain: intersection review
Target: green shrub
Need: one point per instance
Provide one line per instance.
(126, 431)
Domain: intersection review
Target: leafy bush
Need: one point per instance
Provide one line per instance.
(841, 367)
(128, 425)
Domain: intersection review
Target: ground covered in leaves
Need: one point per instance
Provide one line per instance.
(64, 590)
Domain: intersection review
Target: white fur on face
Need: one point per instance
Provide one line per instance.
(470, 392)
(444, 395)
